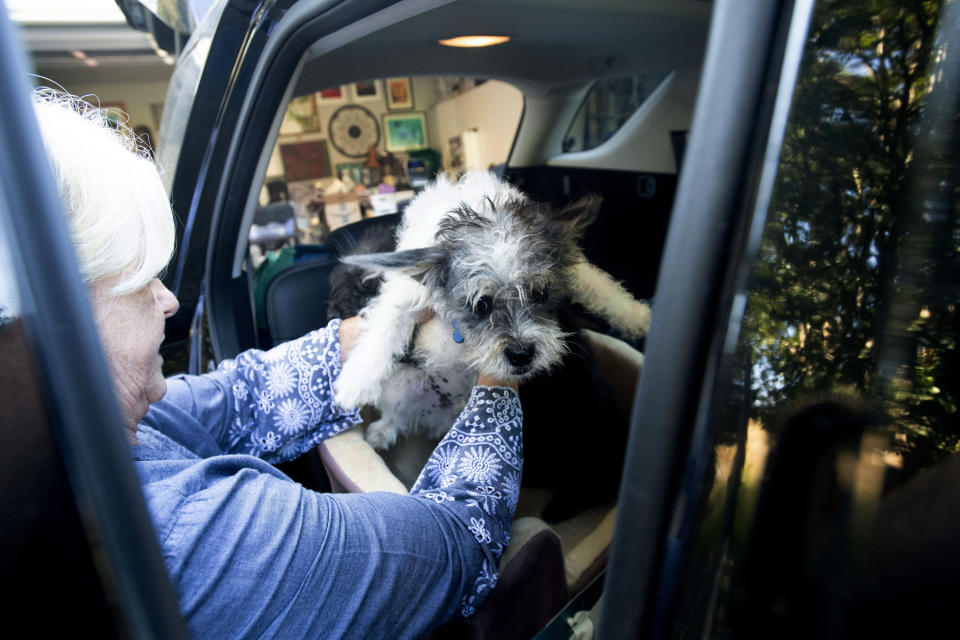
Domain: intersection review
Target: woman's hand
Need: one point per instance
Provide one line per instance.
(483, 380)
(349, 330)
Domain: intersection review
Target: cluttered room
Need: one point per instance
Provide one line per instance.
(363, 150)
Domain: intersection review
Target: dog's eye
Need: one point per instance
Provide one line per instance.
(540, 294)
(483, 306)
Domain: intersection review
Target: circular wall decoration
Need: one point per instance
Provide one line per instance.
(353, 130)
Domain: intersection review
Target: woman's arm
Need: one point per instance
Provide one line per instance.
(274, 404)
(474, 474)
(253, 554)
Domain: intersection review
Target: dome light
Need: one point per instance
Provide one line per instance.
(474, 41)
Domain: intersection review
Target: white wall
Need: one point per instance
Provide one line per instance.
(494, 109)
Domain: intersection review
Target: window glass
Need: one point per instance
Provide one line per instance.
(854, 290)
(844, 378)
(9, 297)
(607, 106)
(183, 88)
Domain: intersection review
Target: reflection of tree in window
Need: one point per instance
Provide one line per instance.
(839, 225)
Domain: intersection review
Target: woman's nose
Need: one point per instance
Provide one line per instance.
(167, 301)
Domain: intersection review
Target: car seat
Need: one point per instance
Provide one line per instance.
(295, 297)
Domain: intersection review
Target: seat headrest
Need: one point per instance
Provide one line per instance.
(273, 212)
(344, 240)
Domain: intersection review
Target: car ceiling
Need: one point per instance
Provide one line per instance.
(555, 43)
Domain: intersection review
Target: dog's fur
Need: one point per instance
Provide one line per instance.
(481, 255)
(554, 438)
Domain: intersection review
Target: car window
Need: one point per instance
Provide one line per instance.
(9, 296)
(182, 90)
(607, 106)
(843, 378)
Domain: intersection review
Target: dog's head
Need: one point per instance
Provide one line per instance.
(497, 277)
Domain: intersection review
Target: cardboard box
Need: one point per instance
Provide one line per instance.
(341, 209)
(383, 203)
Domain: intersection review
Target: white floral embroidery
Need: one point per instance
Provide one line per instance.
(480, 465)
(265, 401)
(240, 390)
(480, 458)
(291, 416)
(486, 496)
(269, 441)
(438, 496)
(478, 530)
(282, 398)
(281, 379)
(442, 464)
(511, 489)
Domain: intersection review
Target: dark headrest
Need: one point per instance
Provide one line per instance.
(273, 212)
(296, 298)
(342, 241)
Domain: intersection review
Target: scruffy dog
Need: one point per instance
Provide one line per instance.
(489, 267)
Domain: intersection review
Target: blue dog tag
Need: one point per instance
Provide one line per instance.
(457, 336)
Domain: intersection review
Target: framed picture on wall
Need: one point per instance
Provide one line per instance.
(455, 160)
(303, 111)
(305, 160)
(399, 94)
(353, 169)
(366, 90)
(405, 131)
(332, 95)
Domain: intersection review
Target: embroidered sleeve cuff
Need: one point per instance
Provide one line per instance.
(283, 398)
(475, 473)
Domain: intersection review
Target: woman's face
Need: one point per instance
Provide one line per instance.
(131, 329)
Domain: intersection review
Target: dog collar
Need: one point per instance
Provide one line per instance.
(457, 336)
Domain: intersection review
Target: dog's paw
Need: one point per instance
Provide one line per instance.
(637, 322)
(381, 434)
(355, 388)
(350, 394)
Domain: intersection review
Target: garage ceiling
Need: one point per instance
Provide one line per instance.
(88, 39)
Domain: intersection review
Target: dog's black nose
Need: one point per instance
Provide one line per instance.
(520, 354)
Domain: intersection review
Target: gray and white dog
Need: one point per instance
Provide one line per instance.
(488, 267)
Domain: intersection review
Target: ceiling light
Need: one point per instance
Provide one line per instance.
(474, 41)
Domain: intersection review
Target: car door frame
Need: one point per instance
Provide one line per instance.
(84, 414)
(723, 191)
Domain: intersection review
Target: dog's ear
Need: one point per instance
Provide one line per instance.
(424, 265)
(578, 215)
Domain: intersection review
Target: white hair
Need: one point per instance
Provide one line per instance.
(118, 213)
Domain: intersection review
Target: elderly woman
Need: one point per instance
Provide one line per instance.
(250, 552)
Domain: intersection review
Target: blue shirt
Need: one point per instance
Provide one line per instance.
(254, 554)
